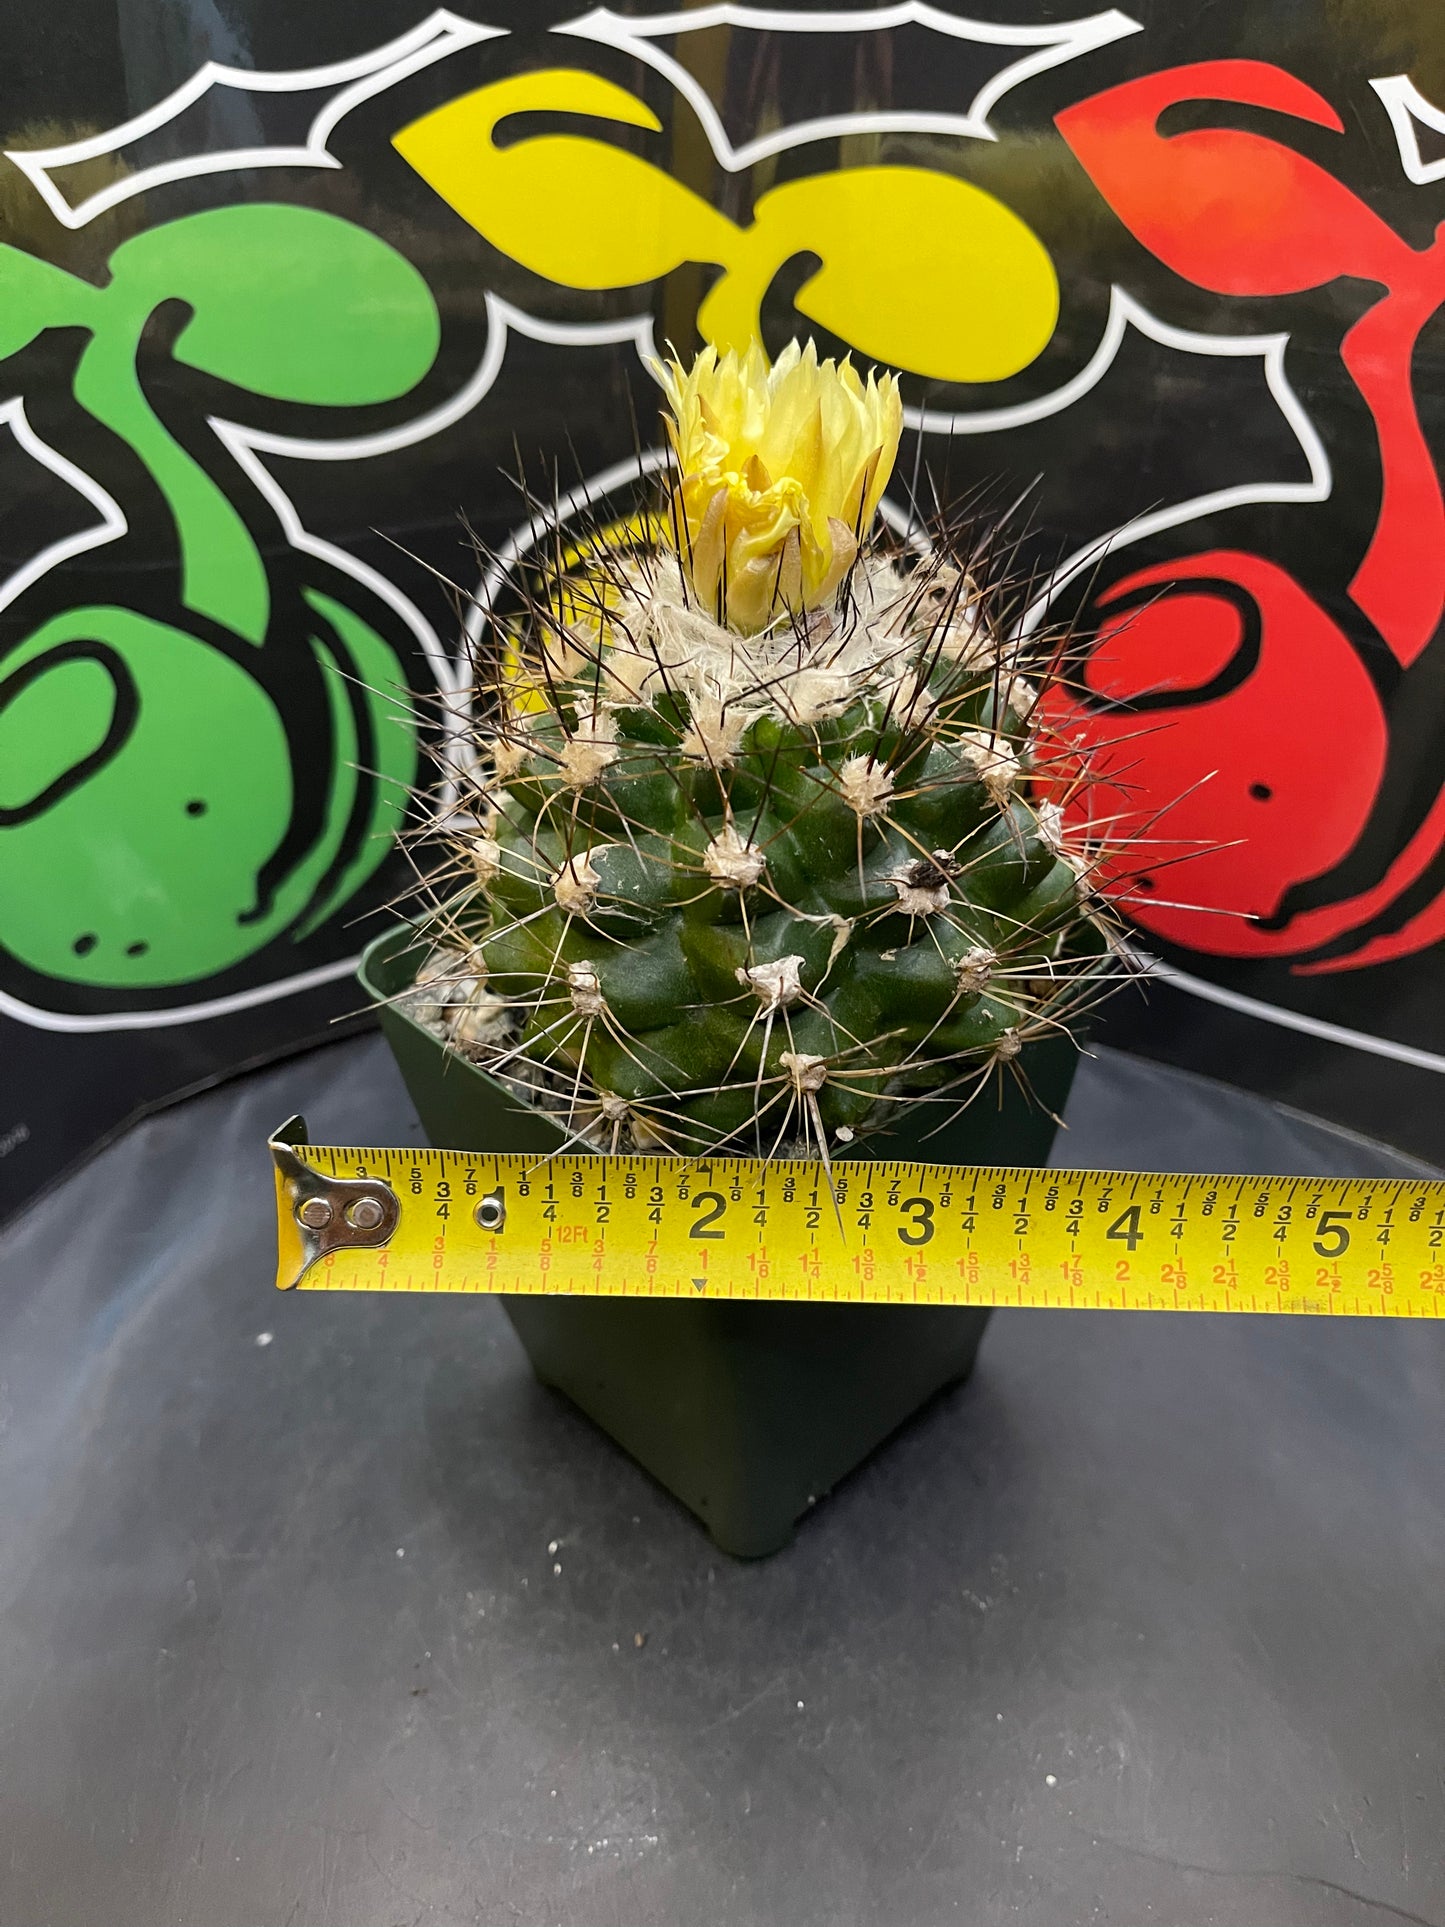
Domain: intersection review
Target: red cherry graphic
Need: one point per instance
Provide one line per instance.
(1400, 584)
(1245, 215)
(1220, 702)
(1231, 211)
(1291, 724)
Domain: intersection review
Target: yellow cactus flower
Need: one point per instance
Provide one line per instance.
(780, 472)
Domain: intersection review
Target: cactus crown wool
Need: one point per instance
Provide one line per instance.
(760, 844)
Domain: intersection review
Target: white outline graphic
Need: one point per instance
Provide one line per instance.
(1407, 107)
(112, 518)
(1271, 350)
(1287, 1019)
(1054, 45)
(440, 34)
(174, 1014)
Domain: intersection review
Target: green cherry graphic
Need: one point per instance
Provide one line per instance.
(139, 868)
(148, 778)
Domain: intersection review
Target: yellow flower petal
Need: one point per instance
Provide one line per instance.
(781, 471)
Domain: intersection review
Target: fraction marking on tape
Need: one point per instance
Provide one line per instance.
(879, 1232)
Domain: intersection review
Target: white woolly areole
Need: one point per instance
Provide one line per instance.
(778, 984)
(590, 749)
(813, 695)
(715, 731)
(1023, 697)
(482, 1021)
(968, 640)
(808, 1073)
(1053, 835)
(575, 885)
(452, 974)
(922, 888)
(914, 902)
(1008, 1047)
(486, 856)
(974, 970)
(913, 702)
(627, 669)
(993, 758)
(947, 605)
(615, 1109)
(586, 989)
(865, 786)
(510, 749)
(732, 861)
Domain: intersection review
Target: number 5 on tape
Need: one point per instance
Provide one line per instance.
(361, 1219)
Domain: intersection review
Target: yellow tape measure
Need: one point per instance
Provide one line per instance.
(359, 1219)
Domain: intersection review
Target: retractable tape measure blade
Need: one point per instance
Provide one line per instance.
(361, 1219)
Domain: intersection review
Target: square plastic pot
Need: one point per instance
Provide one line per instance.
(746, 1412)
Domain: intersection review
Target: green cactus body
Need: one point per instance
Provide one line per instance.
(765, 918)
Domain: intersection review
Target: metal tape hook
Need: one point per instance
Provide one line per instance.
(319, 1214)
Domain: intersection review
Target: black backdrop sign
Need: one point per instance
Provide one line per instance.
(283, 290)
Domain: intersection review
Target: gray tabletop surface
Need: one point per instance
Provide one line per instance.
(319, 1610)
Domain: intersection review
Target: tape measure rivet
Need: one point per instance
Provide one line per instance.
(364, 1214)
(314, 1213)
(491, 1213)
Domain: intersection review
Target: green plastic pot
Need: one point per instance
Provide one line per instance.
(746, 1412)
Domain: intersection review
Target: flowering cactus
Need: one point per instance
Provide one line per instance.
(761, 847)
